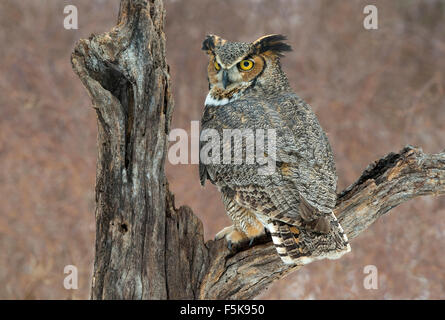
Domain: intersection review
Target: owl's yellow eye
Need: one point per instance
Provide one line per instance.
(246, 65)
(217, 66)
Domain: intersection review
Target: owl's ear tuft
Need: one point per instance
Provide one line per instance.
(212, 41)
(273, 43)
(209, 43)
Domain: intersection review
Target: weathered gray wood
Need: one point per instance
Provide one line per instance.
(127, 78)
(145, 247)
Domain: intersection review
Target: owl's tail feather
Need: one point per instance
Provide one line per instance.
(297, 245)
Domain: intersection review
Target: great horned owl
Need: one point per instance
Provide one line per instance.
(294, 202)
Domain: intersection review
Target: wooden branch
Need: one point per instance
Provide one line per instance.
(145, 247)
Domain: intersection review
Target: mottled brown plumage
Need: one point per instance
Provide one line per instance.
(295, 202)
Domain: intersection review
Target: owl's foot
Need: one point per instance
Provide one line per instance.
(224, 232)
(255, 231)
(233, 236)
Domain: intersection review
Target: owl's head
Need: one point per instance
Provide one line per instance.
(236, 68)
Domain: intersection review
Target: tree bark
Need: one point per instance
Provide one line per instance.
(145, 247)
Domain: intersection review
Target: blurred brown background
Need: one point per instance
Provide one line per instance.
(373, 91)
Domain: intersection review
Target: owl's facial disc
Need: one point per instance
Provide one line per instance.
(228, 81)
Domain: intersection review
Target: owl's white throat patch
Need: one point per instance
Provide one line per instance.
(215, 99)
(211, 101)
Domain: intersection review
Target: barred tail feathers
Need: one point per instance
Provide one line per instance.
(298, 246)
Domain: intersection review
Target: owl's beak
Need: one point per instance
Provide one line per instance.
(225, 79)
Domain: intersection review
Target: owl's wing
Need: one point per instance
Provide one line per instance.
(305, 164)
(307, 161)
(303, 184)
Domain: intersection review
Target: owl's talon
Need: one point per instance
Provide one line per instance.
(251, 242)
(229, 245)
